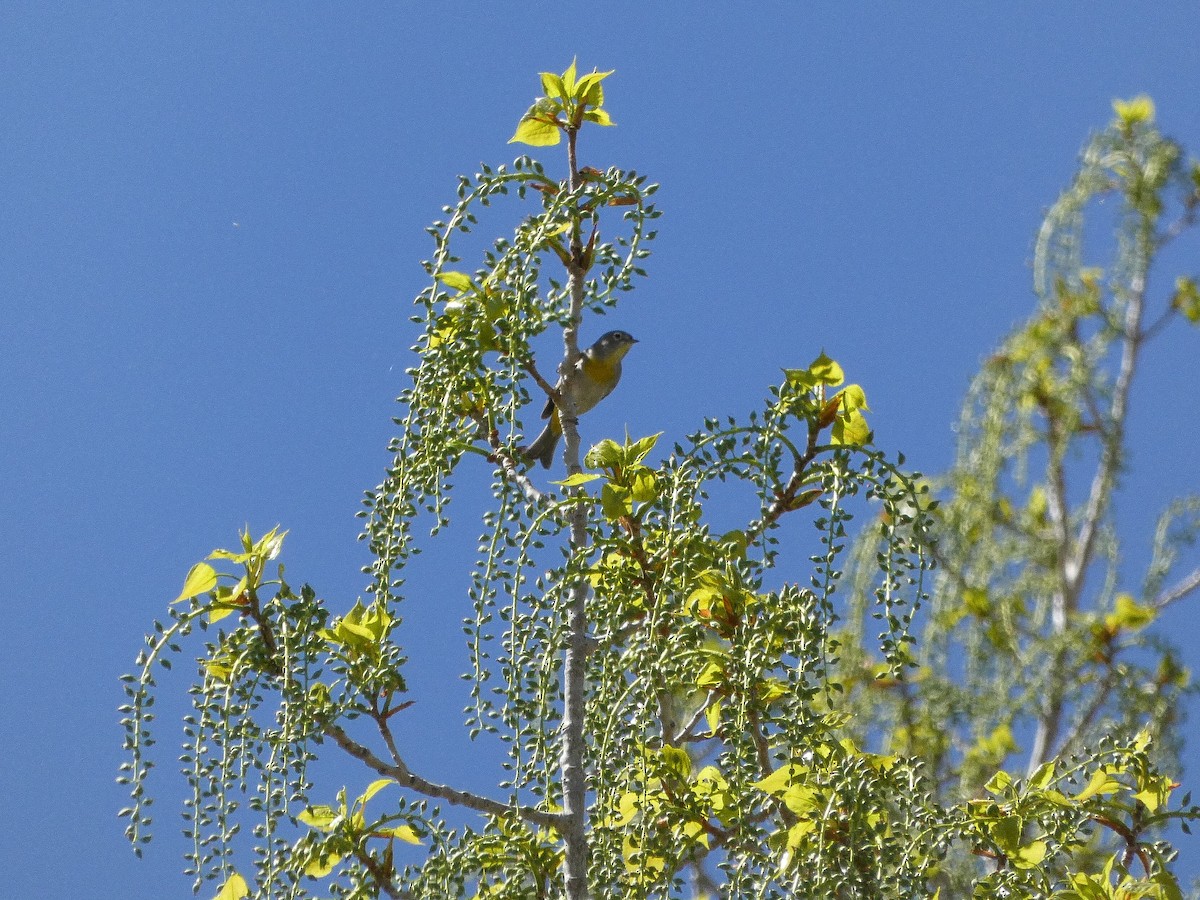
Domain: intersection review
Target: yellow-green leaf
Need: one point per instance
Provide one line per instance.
(577, 479)
(318, 817)
(200, 580)
(777, 782)
(615, 501)
(826, 371)
(1041, 779)
(404, 833)
(235, 888)
(712, 716)
(552, 86)
(644, 487)
(599, 116)
(1101, 783)
(1187, 297)
(536, 133)
(456, 281)
(607, 454)
(589, 91)
(1154, 791)
(322, 865)
(639, 449)
(1139, 109)
(374, 788)
(999, 783)
(1129, 615)
(851, 430)
(853, 397)
(1006, 832)
(1030, 855)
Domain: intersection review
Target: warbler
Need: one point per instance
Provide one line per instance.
(595, 376)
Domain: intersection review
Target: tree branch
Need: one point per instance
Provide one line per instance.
(1178, 592)
(574, 820)
(402, 775)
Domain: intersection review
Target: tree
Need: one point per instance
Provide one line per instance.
(781, 709)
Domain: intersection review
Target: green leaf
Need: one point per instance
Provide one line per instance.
(318, 817)
(577, 479)
(403, 832)
(536, 133)
(826, 371)
(589, 91)
(1041, 779)
(457, 281)
(599, 116)
(1187, 298)
(853, 397)
(851, 430)
(374, 788)
(1101, 783)
(733, 543)
(1030, 855)
(1129, 615)
(998, 784)
(644, 486)
(235, 888)
(1131, 112)
(607, 454)
(640, 448)
(1006, 832)
(615, 501)
(200, 580)
(552, 86)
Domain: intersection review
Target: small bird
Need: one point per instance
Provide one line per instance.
(595, 376)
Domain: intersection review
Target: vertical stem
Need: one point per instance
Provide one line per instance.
(571, 761)
(1075, 551)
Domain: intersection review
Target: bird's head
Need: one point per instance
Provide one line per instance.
(612, 346)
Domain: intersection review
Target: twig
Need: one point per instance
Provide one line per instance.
(783, 500)
(1178, 592)
(533, 373)
(402, 775)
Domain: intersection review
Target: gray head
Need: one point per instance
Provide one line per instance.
(612, 343)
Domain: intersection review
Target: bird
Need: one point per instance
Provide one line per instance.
(594, 377)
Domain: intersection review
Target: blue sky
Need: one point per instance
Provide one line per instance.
(211, 221)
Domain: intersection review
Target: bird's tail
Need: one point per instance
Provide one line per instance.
(542, 449)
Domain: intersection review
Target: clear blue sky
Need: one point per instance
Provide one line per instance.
(210, 226)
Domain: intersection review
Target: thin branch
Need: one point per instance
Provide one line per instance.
(1110, 455)
(685, 733)
(784, 499)
(532, 370)
(512, 471)
(402, 775)
(1178, 592)
(382, 878)
(1089, 715)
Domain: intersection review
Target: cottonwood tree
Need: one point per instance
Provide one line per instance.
(855, 692)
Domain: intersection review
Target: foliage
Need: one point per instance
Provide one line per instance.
(776, 710)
